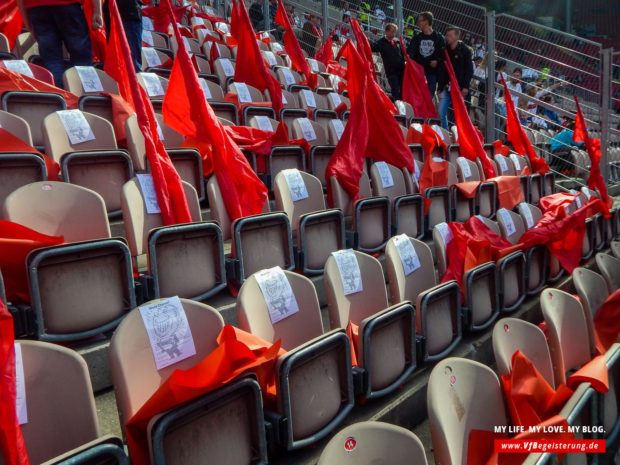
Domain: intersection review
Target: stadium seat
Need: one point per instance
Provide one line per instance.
(438, 305)
(139, 223)
(407, 209)
(314, 384)
(441, 207)
(62, 416)
(247, 94)
(520, 162)
(321, 148)
(33, 107)
(370, 226)
(107, 450)
(335, 128)
(317, 104)
(224, 69)
(154, 85)
(191, 45)
(289, 79)
(386, 336)
(405, 112)
(153, 58)
(4, 44)
(592, 291)
(334, 99)
(372, 442)
(155, 39)
(512, 227)
(94, 163)
(609, 267)
(271, 58)
(481, 290)
(615, 249)
(485, 201)
(72, 80)
(318, 231)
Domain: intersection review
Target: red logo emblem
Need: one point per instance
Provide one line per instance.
(506, 328)
(452, 380)
(350, 444)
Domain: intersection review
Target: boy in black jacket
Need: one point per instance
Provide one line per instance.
(461, 59)
(393, 60)
(427, 48)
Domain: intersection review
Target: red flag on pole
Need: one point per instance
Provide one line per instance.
(470, 144)
(250, 66)
(187, 111)
(10, 21)
(363, 46)
(593, 147)
(415, 88)
(119, 66)
(291, 45)
(517, 136)
(325, 54)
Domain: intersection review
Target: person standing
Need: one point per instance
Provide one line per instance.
(58, 22)
(427, 48)
(393, 60)
(461, 59)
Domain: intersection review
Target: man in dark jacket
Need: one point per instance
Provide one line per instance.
(461, 59)
(393, 60)
(427, 48)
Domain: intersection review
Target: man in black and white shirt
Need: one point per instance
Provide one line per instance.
(427, 48)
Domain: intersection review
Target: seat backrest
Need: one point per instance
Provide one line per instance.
(132, 364)
(169, 137)
(462, 396)
(313, 132)
(149, 82)
(16, 125)
(373, 442)
(252, 92)
(356, 306)
(152, 57)
(284, 199)
(263, 122)
(567, 331)
(72, 80)
(442, 235)
(224, 68)
(519, 162)
(511, 225)
(492, 225)
(530, 214)
(592, 291)
(466, 170)
(295, 329)
(57, 142)
(407, 287)
(506, 168)
(59, 400)
(215, 91)
(387, 180)
(289, 100)
(610, 269)
(4, 44)
(58, 209)
(452, 177)
(138, 223)
(512, 334)
(335, 128)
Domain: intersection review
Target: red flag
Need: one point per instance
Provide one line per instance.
(250, 66)
(291, 45)
(517, 136)
(10, 21)
(161, 18)
(11, 439)
(11, 143)
(119, 66)
(415, 88)
(10, 80)
(325, 54)
(187, 111)
(593, 146)
(470, 144)
(384, 143)
(97, 36)
(428, 138)
(363, 46)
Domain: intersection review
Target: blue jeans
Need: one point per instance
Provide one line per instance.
(431, 80)
(133, 31)
(54, 25)
(444, 104)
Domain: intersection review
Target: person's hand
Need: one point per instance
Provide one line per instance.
(465, 92)
(97, 21)
(433, 64)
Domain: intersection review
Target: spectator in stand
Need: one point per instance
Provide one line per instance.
(560, 149)
(539, 94)
(58, 22)
(131, 15)
(479, 48)
(256, 16)
(461, 59)
(342, 31)
(311, 35)
(393, 60)
(427, 49)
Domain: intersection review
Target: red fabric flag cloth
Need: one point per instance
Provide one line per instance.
(11, 439)
(415, 89)
(363, 47)
(292, 47)
(187, 111)
(500, 148)
(11, 143)
(98, 39)
(10, 21)
(594, 372)
(428, 138)
(250, 66)
(10, 80)
(470, 144)
(167, 182)
(593, 147)
(325, 53)
(434, 173)
(357, 142)
(16, 242)
(607, 322)
(509, 193)
(161, 17)
(230, 359)
(121, 110)
(518, 137)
